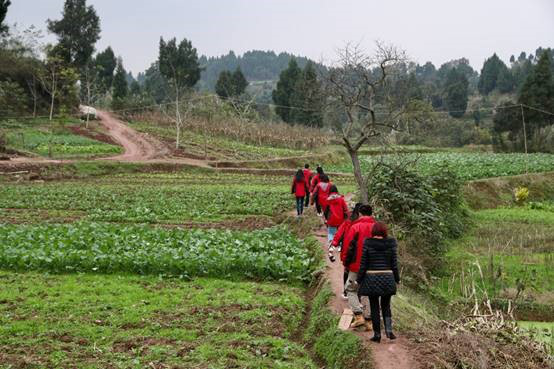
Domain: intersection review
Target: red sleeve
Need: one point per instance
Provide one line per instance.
(345, 208)
(339, 235)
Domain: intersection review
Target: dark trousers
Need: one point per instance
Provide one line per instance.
(307, 203)
(376, 310)
(344, 277)
(317, 206)
(299, 205)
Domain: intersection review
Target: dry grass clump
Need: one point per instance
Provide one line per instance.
(484, 339)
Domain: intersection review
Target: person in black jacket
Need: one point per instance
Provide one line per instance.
(378, 277)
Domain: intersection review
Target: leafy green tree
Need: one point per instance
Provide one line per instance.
(538, 92)
(307, 99)
(456, 93)
(106, 63)
(505, 81)
(120, 87)
(231, 84)
(224, 87)
(155, 85)
(285, 89)
(4, 4)
(239, 82)
(488, 80)
(77, 32)
(135, 88)
(179, 65)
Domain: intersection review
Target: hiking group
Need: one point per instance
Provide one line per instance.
(367, 253)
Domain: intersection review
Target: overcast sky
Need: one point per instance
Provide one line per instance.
(435, 30)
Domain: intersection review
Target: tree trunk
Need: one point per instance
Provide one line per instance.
(177, 118)
(52, 106)
(362, 185)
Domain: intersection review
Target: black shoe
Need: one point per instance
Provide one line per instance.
(388, 328)
(376, 338)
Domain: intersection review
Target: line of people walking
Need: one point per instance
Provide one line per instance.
(368, 254)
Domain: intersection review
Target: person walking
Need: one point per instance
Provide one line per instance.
(357, 234)
(308, 177)
(378, 276)
(299, 190)
(341, 239)
(321, 193)
(335, 213)
(313, 184)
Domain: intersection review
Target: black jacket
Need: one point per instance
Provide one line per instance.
(378, 254)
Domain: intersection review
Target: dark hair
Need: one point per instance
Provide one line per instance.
(366, 210)
(299, 175)
(319, 170)
(324, 178)
(333, 189)
(356, 211)
(306, 166)
(380, 230)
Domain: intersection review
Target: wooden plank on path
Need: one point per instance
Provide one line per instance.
(346, 319)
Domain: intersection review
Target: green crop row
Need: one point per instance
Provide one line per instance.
(58, 144)
(270, 254)
(467, 165)
(150, 203)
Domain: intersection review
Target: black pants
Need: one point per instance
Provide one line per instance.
(376, 310)
(307, 203)
(344, 278)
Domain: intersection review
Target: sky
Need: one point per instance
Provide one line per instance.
(429, 30)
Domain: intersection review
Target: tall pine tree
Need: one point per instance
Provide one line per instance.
(120, 87)
(106, 63)
(307, 99)
(488, 80)
(285, 89)
(4, 4)
(538, 92)
(456, 92)
(77, 32)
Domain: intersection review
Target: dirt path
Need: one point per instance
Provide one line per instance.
(136, 147)
(387, 354)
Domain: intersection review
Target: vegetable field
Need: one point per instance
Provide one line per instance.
(107, 248)
(468, 165)
(149, 203)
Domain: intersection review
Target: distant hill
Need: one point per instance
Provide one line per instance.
(256, 65)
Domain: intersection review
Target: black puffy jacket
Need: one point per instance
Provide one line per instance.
(378, 254)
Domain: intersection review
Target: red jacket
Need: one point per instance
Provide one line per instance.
(307, 175)
(315, 181)
(357, 234)
(321, 192)
(299, 188)
(336, 211)
(343, 236)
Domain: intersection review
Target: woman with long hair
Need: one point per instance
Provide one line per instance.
(299, 190)
(378, 276)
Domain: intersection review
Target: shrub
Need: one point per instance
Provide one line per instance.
(521, 194)
(424, 208)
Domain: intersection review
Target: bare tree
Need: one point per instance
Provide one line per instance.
(358, 84)
(89, 87)
(50, 76)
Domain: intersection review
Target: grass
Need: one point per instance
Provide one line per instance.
(54, 139)
(467, 165)
(509, 254)
(100, 321)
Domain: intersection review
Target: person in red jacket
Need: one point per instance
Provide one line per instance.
(341, 239)
(308, 177)
(299, 190)
(335, 212)
(357, 235)
(321, 193)
(313, 184)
